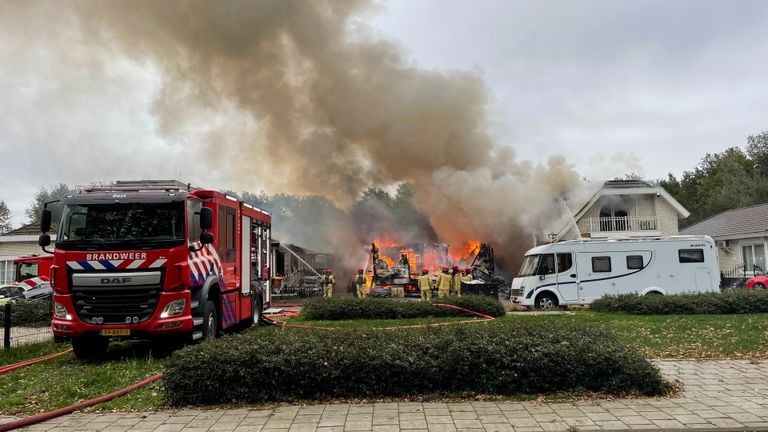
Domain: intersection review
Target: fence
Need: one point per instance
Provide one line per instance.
(618, 223)
(738, 275)
(26, 323)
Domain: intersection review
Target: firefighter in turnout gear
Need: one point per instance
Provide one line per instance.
(360, 283)
(444, 283)
(425, 285)
(328, 283)
(456, 281)
(467, 275)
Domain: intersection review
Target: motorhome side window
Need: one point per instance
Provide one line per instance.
(546, 264)
(634, 262)
(601, 264)
(691, 255)
(564, 262)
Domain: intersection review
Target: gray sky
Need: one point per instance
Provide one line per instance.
(613, 86)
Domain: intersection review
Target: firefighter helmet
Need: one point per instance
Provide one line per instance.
(329, 271)
(468, 270)
(360, 270)
(445, 269)
(455, 268)
(424, 271)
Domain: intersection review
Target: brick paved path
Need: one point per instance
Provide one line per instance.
(718, 394)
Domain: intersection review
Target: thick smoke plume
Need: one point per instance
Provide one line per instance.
(330, 109)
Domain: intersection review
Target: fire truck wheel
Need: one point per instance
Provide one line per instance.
(546, 301)
(211, 321)
(89, 346)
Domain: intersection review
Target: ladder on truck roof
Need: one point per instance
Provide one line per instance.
(139, 185)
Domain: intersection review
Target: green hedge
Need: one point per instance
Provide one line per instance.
(29, 314)
(737, 301)
(492, 358)
(343, 308)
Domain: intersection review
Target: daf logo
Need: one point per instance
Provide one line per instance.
(112, 281)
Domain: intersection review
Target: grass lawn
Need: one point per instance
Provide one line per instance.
(678, 336)
(65, 380)
(62, 381)
(658, 336)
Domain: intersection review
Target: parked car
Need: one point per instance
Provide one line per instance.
(757, 282)
(10, 293)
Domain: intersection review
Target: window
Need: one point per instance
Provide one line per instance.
(227, 234)
(564, 262)
(193, 219)
(231, 230)
(601, 264)
(691, 255)
(530, 264)
(26, 270)
(546, 264)
(753, 257)
(121, 226)
(6, 271)
(634, 262)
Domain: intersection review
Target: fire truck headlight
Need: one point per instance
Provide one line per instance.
(174, 308)
(59, 311)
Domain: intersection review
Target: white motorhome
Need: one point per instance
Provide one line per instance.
(577, 272)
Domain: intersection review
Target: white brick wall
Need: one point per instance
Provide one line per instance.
(667, 217)
(18, 249)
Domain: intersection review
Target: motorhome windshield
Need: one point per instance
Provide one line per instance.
(121, 226)
(530, 265)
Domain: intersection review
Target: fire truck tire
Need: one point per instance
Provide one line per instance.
(546, 301)
(89, 346)
(210, 321)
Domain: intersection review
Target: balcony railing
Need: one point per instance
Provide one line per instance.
(619, 223)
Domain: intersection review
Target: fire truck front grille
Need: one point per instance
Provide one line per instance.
(111, 306)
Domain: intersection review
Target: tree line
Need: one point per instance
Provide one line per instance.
(722, 181)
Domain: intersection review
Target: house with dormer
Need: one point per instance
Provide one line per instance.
(627, 209)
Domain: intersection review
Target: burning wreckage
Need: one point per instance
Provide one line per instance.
(392, 270)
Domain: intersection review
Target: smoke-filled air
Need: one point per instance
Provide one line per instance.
(329, 108)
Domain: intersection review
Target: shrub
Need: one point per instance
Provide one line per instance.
(737, 301)
(493, 358)
(344, 308)
(29, 314)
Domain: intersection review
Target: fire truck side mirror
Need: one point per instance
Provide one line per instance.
(206, 238)
(45, 221)
(206, 219)
(44, 240)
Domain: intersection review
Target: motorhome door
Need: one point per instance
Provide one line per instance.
(567, 281)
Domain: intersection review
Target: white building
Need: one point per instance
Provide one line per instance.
(627, 208)
(741, 236)
(17, 243)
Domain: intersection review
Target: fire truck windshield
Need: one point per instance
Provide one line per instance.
(116, 226)
(26, 270)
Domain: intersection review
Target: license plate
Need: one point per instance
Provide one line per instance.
(116, 332)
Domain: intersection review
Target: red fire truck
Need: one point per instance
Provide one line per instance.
(156, 260)
(32, 270)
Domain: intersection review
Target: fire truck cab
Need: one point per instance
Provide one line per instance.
(156, 260)
(32, 267)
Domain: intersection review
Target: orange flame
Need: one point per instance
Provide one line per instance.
(432, 257)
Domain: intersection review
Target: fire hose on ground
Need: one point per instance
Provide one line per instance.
(485, 318)
(38, 418)
(12, 367)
